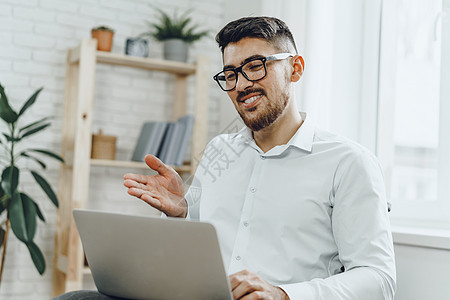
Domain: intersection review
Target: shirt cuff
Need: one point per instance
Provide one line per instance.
(301, 290)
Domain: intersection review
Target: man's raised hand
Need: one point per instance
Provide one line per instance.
(163, 191)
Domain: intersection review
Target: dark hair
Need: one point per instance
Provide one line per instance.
(271, 29)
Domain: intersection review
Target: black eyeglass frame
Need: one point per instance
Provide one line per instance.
(278, 56)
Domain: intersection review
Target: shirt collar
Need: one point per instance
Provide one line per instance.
(302, 139)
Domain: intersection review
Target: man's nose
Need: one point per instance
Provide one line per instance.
(242, 82)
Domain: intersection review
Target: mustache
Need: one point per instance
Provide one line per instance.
(248, 92)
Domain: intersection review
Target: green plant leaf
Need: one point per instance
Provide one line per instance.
(48, 153)
(22, 214)
(29, 102)
(38, 210)
(46, 187)
(174, 27)
(10, 180)
(39, 213)
(33, 124)
(2, 236)
(35, 130)
(10, 139)
(6, 112)
(33, 158)
(37, 257)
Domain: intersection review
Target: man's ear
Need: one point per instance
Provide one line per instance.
(299, 66)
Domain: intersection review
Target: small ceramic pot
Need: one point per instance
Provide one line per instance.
(175, 49)
(104, 39)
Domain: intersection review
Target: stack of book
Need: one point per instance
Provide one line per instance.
(166, 140)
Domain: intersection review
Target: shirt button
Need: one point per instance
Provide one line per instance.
(263, 157)
(246, 224)
(253, 189)
(238, 258)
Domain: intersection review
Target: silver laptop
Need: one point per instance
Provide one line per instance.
(139, 257)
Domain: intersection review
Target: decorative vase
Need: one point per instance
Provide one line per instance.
(104, 39)
(175, 49)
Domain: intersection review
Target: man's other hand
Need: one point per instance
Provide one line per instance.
(164, 191)
(246, 286)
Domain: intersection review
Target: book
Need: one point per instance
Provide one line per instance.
(163, 151)
(187, 124)
(155, 143)
(174, 144)
(166, 140)
(149, 140)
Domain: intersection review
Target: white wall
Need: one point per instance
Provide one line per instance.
(422, 262)
(341, 58)
(34, 38)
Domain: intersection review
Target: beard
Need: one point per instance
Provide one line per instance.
(270, 111)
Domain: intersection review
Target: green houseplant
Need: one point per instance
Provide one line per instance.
(176, 32)
(17, 209)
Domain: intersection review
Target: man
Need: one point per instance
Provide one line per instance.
(300, 213)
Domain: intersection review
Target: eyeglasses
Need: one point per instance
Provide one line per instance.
(253, 70)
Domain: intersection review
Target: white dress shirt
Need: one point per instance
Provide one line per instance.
(299, 214)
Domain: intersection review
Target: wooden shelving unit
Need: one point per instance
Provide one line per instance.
(68, 264)
(134, 165)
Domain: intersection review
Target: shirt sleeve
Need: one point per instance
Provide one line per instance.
(192, 197)
(362, 234)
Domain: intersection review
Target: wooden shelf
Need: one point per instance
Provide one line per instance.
(146, 63)
(77, 142)
(133, 165)
(152, 64)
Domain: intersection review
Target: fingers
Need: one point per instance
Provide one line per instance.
(156, 164)
(243, 290)
(246, 286)
(237, 278)
(241, 284)
(146, 196)
(254, 296)
(129, 178)
(130, 183)
(152, 201)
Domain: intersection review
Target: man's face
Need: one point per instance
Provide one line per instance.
(258, 103)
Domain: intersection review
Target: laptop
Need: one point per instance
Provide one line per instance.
(138, 257)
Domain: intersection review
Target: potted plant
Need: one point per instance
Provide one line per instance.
(104, 36)
(18, 210)
(176, 33)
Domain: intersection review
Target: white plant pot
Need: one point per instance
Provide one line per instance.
(175, 49)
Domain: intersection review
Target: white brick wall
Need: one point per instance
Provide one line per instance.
(34, 38)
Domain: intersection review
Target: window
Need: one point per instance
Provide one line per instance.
(413, 129)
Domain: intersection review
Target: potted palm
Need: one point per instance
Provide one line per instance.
(18, 211)
(176, 33)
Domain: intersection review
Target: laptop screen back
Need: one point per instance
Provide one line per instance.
(139, 257)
